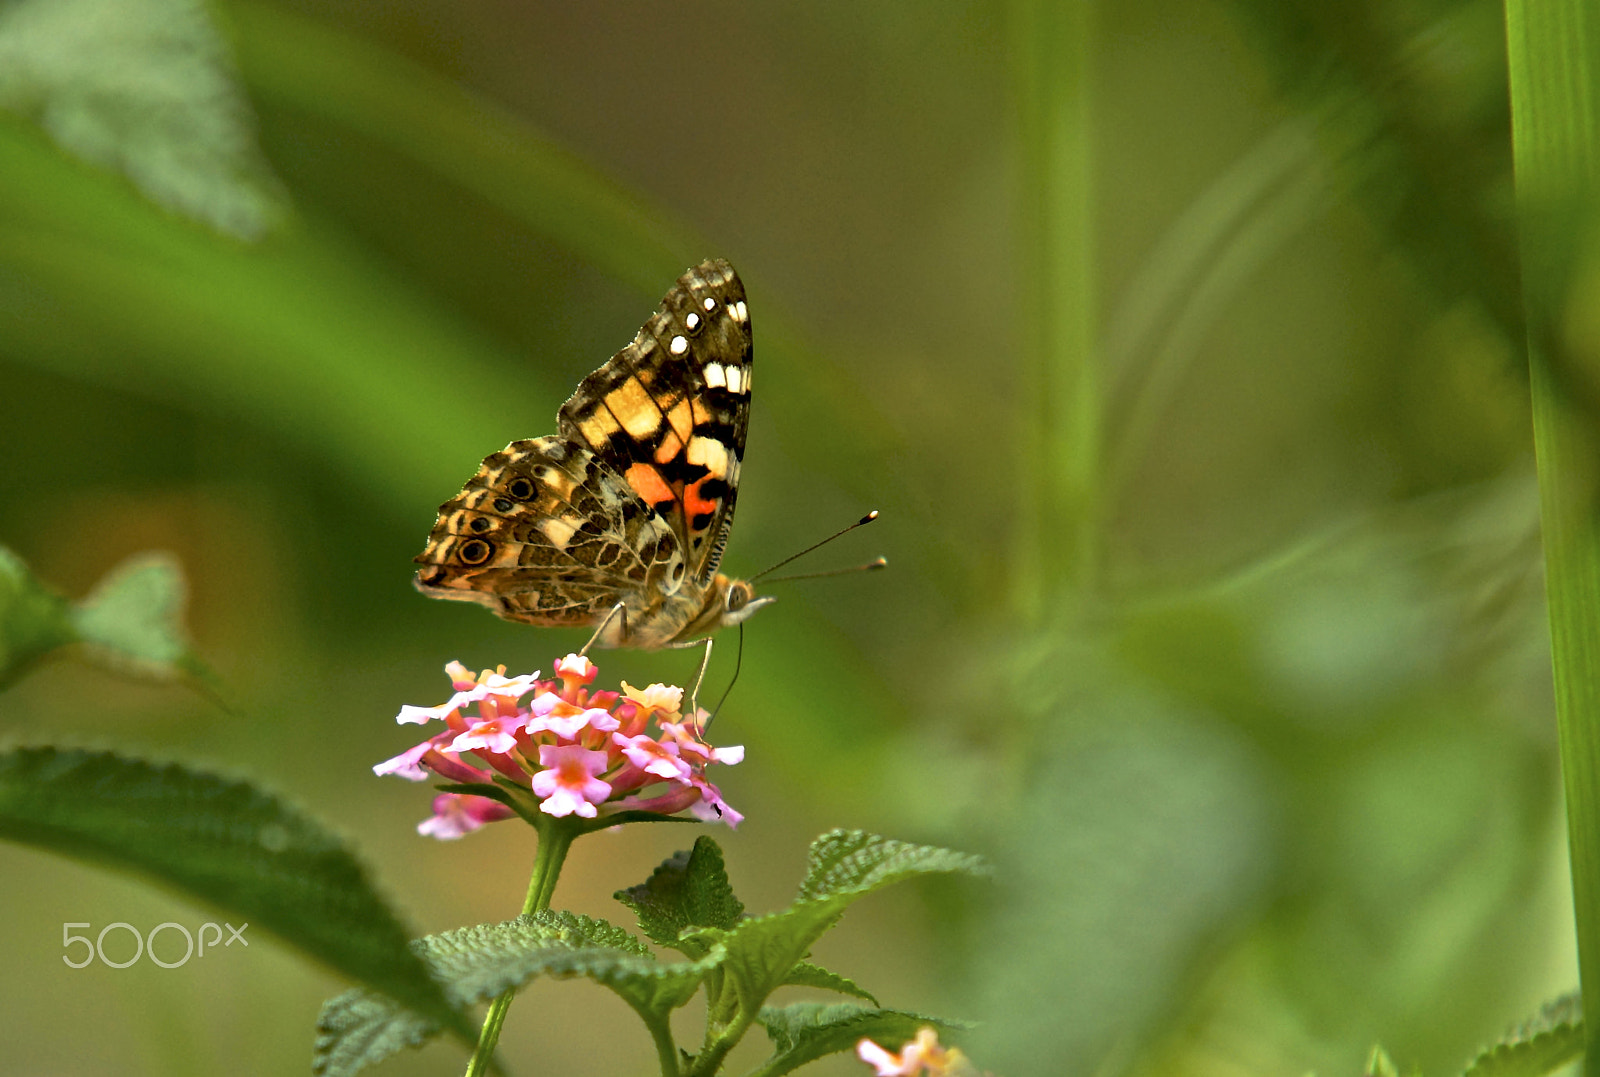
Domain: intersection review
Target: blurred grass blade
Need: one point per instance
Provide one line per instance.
(296, 62)
(1058, 530)
(1554, 53)
(145, 88)
(222, 842)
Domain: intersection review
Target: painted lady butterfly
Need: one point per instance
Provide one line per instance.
(630, 504)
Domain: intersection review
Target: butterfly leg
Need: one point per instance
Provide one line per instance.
(615, 611)
(694, 693)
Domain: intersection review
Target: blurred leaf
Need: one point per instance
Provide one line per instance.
(132, 620)
(806, 1031)
(690, 889)
(34, 620)
(1140, 841)
(359, 1029)
(805, 974)
(223, 842)
(135, 615)
(1550, 1039)
(145, 88)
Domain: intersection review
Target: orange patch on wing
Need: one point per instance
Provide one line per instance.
(682, 419)
(671, 445)
(694, 504)
(648, 484)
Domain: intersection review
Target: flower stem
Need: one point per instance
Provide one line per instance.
(554, 841)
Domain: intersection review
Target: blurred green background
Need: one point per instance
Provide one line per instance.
(1179, 345)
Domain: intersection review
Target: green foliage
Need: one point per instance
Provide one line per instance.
(132, 620)
(687, 904)
(1545, 1042)
(144, 88)
(689, 890)
(219, 841)
(805, 1031)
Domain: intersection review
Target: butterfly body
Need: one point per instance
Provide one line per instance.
(630, 504)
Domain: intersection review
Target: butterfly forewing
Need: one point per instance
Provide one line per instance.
(633, 501)
(669, 411)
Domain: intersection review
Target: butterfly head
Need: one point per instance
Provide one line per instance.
(739, 600)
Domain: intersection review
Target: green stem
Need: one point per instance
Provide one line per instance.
(1553, 49)
(554, 841)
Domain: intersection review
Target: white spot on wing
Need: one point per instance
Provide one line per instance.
(692, 321)
(709, 303)
(558, 529)
(714, 376)
(710, 454)
(679, 345)
(739, 311)
(735, 380)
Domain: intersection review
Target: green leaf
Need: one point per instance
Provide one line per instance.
(34, 620)
(1548, 1040)
(478, 963)
(807, 1031)
(689, 890)
(805, 974)
(845, 865)
(134, 616)
(220, 841)
(132, 621)
(853, 862)
(144, 88)
(359, 1029)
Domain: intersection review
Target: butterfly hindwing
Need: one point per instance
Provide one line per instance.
(546, 534)
(668, 413)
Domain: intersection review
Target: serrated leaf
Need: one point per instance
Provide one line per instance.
(359, 1029)
(479, 962)
(1546, 1041)
(806, 1031)
(846, 865)
(854, 862)
(223, 842)
(689, 890)
(34, 620)
(805, 974)
(144, 88)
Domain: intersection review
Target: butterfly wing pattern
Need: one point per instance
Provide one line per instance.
(631, 502)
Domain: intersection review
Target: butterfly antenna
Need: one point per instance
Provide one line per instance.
(881, 562)
(867, 519)
(738, 661)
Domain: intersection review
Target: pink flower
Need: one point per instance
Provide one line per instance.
(578, 752)
(687, 737)
(570, 783)
(456, 816)
(923, 1055)
(652, 757)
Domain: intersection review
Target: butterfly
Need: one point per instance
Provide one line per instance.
(619, 520)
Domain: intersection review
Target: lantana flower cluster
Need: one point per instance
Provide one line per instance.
(924, 1056)
(579, 752)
